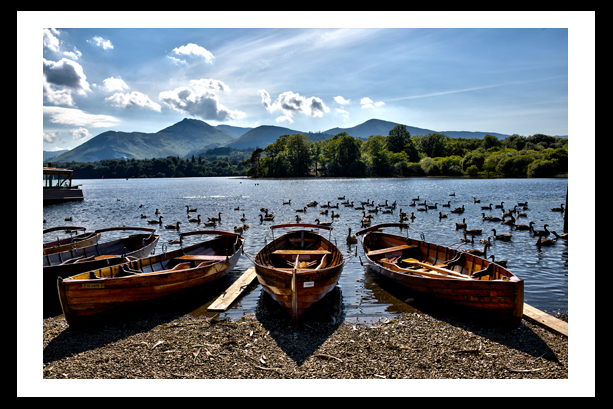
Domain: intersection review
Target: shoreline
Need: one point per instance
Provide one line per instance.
(267, 346)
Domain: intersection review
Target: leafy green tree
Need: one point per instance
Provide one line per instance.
(474, 158)
(541, 168)
(558, 157)
(298, 153)
(489, 142)
(432, 145)
(472, 170)
(397, 138)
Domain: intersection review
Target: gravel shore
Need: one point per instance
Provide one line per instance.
(269, 346)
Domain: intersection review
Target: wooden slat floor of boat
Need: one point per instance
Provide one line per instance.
(224, 301)
(545, 320)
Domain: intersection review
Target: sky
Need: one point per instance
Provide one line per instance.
(452, 78)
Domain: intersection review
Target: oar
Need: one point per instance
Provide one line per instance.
(422, 273)
(431, 267)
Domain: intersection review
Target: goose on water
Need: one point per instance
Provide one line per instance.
(563, 236)
(215, 219)
(441, 215)
(173, 226)
(267, 218)
(155, 221)
(459, 226)
(477, 252)
(323, 223)
(487, 207)
(242, 219)
(351, 239)
(195, 220)
(502, 263)
(543, 233)
(558, 209)
(502, 237)
(473, 232)
(190, 210)
(545, 242)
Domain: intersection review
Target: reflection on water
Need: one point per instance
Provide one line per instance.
(363, 297)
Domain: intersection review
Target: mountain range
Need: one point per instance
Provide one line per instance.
(192, 137)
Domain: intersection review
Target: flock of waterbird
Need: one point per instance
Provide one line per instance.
(368, 210)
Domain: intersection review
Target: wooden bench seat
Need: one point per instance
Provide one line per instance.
(390, 249)
(301, 252)
(202, 257)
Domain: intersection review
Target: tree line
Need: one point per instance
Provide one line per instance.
(396, 155)
(168, 167)
(399, 154)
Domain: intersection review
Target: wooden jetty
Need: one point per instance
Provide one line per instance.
(224, 301)
(545, 320)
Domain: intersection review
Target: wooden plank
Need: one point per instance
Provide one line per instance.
(545, 320)
(224, 301)
(390, 249)
(294, 252)
(202, 258)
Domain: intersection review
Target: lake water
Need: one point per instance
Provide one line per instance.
(363, 297)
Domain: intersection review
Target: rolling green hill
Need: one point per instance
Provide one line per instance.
(192, 137)
(176, 140)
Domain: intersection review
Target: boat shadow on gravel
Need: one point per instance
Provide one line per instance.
(521, 338)
(73, 341)
(301, 340)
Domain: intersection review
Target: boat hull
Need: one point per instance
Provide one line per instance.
(139, 283)
(98, 256)
(296, 288)
(498, 295)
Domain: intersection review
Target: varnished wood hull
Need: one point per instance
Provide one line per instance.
(100, 293)
(296, 289)
(58, 251)
(496, 293)
(93, 257)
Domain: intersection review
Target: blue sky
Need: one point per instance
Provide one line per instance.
(506, 80)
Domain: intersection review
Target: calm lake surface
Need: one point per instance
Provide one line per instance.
(362, 297)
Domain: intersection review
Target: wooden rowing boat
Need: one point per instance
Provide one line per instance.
(106, 291)
(299, 268)
(101, 254)
(51, 248)
(446, 274)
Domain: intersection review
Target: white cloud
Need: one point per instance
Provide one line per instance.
(132, 100)
(342, 101)
(200, 101)
(367, 103)
(79, 134)
(114, 84)
(66, 74)
(52, 137)
(209, 84)
(284, 118)
(61, 79)
(177, 60)
(192, 49)
(76, 117)
(50, 40)
(101, 42)
(290, 103)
